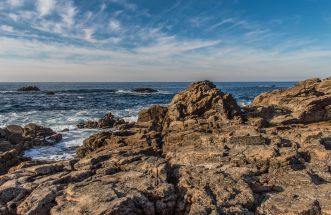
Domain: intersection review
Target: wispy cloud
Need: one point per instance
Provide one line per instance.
(45, 6)
(119, 40)
(6, 28)
(16, 3)
(114, 25)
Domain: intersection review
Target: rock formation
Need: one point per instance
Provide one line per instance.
(28, 89)
(144, 90)
(15, 139)
(200, 155)
(308, 101)
(108, 121)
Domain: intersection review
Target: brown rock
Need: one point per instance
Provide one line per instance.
(308, 101)
(108, 121)
(15, 129)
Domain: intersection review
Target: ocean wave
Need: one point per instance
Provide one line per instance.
(66, 149)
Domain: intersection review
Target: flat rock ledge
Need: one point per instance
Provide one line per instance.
(200, 155)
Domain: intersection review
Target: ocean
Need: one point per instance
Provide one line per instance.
(76, 102)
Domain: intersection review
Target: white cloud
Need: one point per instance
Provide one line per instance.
(170, 59)
(15, 3)
(45, 7)
(88, 34)
(6, 28)
(68, 14)
(13, 16)
(114, 25)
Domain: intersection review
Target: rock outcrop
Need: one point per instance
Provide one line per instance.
(28, 89)
(144, 90)
(15, 139)
(308, 101)
(200, 155)
(108, 121)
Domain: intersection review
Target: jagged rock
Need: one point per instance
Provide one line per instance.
(152, 117)
(28, 89)
(203, 100)
(308, 101)
(108, 121)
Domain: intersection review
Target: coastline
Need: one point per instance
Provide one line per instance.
(201, 154)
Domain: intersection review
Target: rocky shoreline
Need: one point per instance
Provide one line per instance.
(202, 154)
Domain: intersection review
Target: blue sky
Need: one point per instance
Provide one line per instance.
(173, 40)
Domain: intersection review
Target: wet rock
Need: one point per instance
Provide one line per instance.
(28, 89)
(50, 93)
(15, 139)
(65, 130)
(55, 138)
(15, 129)
(144, 90)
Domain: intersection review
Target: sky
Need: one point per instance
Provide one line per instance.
(164, 40)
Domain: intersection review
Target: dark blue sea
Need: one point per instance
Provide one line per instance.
(74, 102)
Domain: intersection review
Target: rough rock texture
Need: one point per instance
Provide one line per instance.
(201, 155)
(108, 121)
(308, 101)
(14, 139)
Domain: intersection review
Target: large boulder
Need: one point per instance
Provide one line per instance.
(202, 100)
(308, 101)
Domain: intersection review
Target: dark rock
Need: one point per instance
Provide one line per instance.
(144, 90)
(14, 129)
(108, 121)
(65, 130)
(29, 89)
(50, 93)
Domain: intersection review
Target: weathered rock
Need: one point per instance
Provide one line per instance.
(203, 100)
(15, 139)
(15, 129)
(108, 121)
(152, 117)
(308, 101)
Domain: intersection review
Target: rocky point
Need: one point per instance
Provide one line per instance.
(200, 155)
